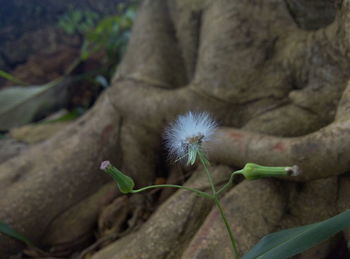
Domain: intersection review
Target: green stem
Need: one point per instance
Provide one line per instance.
(205, 162)
(228, 184)
(225, 187)
(200, 193)
(228, 227)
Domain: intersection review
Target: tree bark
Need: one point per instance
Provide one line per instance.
(279, 91)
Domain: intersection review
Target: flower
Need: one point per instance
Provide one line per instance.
(293, 170)
(185, 136)
(105, 164)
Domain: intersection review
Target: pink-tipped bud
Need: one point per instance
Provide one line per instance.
(125, 183)
(105, 164)
(253, 171)
(293, 171)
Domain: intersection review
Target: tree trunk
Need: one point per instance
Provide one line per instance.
(259, 66)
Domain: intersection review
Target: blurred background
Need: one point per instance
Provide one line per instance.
(56, 57)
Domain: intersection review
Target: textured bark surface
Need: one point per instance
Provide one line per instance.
(255, 65)
(169, 230)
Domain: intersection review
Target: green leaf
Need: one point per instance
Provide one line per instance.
(289, 242)
(66, 117)
(77, 16)
(20, 105)
(131, 14)
(9, 231)
(11, 78)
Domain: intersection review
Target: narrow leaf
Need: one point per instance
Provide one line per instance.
(11, 78)
(20, 105)
(289, 242)
(9, 231)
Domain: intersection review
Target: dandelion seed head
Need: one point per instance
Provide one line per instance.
(189, 129)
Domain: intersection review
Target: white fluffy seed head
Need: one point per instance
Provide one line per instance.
(189, 129)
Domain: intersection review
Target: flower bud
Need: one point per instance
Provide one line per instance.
(253, 171)
(125, 183)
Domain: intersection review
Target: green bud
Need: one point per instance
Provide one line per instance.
(253, 171)
(125, 183)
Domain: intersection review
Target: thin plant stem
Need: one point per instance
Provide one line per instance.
(228, 227)
(226, 186)
(198, 192)
(204, 161)
(229, 183)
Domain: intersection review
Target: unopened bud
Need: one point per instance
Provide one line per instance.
(125, 183)
(253, 171)
(293, 171)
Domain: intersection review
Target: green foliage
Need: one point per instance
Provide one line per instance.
(9, 231)
(106, 36)
(289, 242)
(72, 115)
(78, 21)
(110, 35)
(20, 105)
(11, 78)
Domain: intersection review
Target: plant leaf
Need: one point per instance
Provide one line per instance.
(20, 105)
(9, 231)
(68, 116)
(11, 78)
(289, 242)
